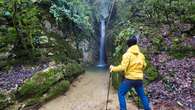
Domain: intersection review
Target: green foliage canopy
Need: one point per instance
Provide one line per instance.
(75, 10)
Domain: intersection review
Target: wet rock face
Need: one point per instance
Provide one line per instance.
(87, 52)
(176, 83)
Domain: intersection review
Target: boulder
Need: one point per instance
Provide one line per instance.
(41, 82)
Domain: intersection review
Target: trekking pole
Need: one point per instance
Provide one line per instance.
(108, 91)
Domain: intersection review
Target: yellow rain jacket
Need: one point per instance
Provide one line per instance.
(132, 64)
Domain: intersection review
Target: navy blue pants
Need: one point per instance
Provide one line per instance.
(125, 86)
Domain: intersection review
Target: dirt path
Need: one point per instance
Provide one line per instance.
(88, 92)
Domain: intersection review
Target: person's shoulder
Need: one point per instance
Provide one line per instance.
(142, 55)
(126, 54)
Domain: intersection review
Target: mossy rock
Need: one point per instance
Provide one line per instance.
(5, 101)
(72, 70)
(33, 101)
(39, 83)
(63, 50)
(57, 89)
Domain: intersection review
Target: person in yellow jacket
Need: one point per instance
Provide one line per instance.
(132, 65)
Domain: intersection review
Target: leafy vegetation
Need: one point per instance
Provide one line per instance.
(151, 73)
(24, 39)
(75, 10)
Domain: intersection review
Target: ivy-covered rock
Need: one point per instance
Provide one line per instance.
(49, 82)
(53, 91)
(39, 84)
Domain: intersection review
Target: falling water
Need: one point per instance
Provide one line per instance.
(103, 9)
(102, 45)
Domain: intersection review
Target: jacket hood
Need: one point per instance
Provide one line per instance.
(134, 49)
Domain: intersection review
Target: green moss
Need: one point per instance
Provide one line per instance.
(33, 101)
(151, 73)
(72, 70)
(63, 50)
(158, 42)
(181, 52)
(39, 83)
(57, 89)
(46, 85)
(4, 102)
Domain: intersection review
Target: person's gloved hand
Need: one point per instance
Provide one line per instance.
(111, 68)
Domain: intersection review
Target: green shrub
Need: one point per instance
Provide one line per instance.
(151, 73)
(158, 42)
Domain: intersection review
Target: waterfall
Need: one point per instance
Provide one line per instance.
(103, 8)
(102, 44)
